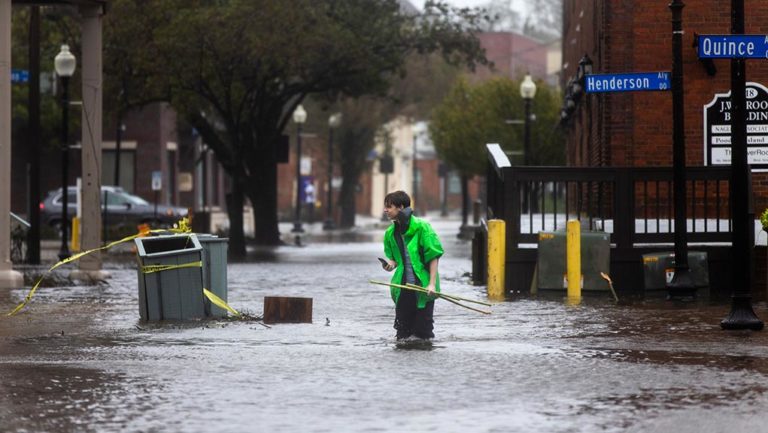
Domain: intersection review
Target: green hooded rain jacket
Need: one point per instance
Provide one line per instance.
(423, 246)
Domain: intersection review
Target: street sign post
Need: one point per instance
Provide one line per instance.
(19, 76)
(738, 47)
(733, 46)
(157, 185)
(629, 82)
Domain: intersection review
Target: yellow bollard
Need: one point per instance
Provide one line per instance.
(75, 244)
(496, 258)
(573, 258)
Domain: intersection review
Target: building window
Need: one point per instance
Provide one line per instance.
(127, 168)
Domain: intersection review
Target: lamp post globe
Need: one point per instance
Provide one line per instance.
(334, 120)
(299, 117)
(65, 64)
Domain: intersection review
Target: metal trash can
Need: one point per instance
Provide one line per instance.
(214, 270)
(658, 269)
(170, 277)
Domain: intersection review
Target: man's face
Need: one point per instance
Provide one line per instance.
(392, 210)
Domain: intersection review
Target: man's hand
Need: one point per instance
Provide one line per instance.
(391, 265)
(431, 290)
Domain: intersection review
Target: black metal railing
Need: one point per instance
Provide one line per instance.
(634, 204)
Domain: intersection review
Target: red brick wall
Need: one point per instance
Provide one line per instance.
(151, 127)
(635, 128)
(315, 147)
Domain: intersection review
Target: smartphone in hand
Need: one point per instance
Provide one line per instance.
(384, 263)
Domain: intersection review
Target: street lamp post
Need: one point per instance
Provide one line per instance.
(682, 283)
(299, 117)
(333, 122)
(742, 316)
(527, 92)
(64, 64)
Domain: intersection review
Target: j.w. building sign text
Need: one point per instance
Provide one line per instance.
(717, 128)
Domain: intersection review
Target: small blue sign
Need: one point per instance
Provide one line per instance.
(157, 180)
(733, 46)
(19, 76)
(631, 82)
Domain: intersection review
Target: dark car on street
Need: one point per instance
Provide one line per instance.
(123, 209)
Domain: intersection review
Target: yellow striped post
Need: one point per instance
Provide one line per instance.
(496, 258)
(573, 258)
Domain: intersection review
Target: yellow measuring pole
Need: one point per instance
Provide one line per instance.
(496, 257)
(573, 258)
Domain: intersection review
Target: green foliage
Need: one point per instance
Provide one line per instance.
(236, 69)
(472, 116)
(57, 26)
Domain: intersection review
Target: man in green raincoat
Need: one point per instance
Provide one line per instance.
(413, 251)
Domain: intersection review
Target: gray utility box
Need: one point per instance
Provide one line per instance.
(214, 270)
(658, 269)
(175, 294)
(595, 258)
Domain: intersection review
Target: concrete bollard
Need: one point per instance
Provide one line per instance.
(280, 309)
(573, 259)
(496, 258)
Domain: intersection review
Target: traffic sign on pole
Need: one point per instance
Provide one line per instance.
(733, 46)
(157, 180)
(19, 76)
(629, 82)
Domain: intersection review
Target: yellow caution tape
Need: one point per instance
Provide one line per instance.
(150, 269)
(219, 302)
(181, 227)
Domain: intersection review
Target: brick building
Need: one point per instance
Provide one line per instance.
(513, 55)
(635, 128)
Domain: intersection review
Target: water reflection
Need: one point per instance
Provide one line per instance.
(535, 364)
(48, 398)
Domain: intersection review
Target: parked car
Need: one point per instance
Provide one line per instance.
(122, 209)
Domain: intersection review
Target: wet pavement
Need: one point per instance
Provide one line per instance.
(79, 360)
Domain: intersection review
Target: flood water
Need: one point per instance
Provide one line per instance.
(78, 359)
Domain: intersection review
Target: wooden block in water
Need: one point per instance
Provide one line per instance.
(281, 309)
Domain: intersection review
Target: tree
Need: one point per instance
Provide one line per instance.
(236, 69)
(544, 20)
(470, 117)
(427, 79)
(501, 16)
(58, 26)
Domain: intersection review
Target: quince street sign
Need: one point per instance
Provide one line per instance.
(717, 128)
(733, 46)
